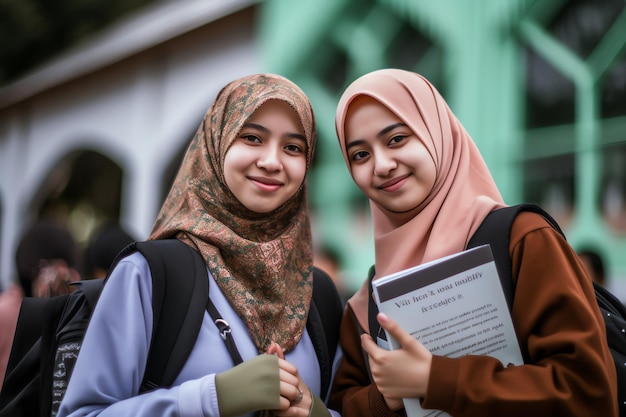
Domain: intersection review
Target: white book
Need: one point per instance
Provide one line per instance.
(454, 306)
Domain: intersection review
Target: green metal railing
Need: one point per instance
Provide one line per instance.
(474, 53)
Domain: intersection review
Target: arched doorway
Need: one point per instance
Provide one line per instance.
(82, 191)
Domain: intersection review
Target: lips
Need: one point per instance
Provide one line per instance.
(266, 184)
(393, 184)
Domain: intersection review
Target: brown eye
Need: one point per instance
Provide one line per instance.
(251, 138)
(294, 148)
(397, 139)
(357, 156)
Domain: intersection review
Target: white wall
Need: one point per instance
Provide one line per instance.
(139, 112)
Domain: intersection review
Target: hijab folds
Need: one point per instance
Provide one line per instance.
(464, 191)
(262, 262)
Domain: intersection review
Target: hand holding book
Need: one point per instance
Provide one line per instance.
(455, 307)
(399, 373)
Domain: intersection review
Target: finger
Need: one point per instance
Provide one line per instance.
(288, 366)
(284, 401)
(395, 331)
(394, 404)
(272, 349)
(288, 390)
(288, 412)
(368, 344)
(293, 393)
(279, 350)
(275, 349)
(299, 405)
(288, 378)
(297, 396)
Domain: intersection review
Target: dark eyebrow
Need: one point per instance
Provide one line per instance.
(257, 127)
(354, 143)
(297, 136)
(390, 128)
(383, 132)
(266, 130)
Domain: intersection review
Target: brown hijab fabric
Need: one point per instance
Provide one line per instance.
(262, 262)
(464, 191)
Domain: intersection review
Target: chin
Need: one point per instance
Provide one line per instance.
(262, 208)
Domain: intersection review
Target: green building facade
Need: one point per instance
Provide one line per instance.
(540, 85)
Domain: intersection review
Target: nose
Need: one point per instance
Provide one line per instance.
(269, 159)
(383, 164)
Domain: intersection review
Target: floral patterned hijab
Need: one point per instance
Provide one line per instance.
(464, 191)
(262, 262)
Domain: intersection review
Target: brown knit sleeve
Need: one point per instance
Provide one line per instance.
(568, 369)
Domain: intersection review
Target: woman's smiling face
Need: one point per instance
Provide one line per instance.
(388, 162)
(266, 164)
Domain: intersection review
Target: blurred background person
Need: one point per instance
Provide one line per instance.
(328, 260)
(102, 249)
(594, 263)
(47, 260)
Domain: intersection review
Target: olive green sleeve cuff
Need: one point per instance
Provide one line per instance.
(250, 386)
(318, 408)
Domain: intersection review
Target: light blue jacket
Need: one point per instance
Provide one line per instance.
(111, 364)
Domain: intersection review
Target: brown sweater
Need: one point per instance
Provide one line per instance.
(568, 368)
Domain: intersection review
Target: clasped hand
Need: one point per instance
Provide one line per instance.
(295, 397)
(400, 373)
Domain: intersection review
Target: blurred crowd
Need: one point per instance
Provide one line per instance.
(48, 260)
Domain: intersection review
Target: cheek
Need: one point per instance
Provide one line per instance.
(361, 177)
(232, 164)
(296, 169)
(427, 169)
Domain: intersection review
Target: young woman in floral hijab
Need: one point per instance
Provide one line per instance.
(429, 191)
(240, 200)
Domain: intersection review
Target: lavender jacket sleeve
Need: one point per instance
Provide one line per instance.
(111, 364)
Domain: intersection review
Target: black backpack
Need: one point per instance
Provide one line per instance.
(50, 331)
(496, 230)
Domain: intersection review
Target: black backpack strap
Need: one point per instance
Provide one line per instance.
(614, 315)
(92, 289)
(372, 310)
(77, 309)
(323, 324)
(34, 336)
(496, 231)
(225, 332)
(30, 325)
(179, 292)
(609, 302)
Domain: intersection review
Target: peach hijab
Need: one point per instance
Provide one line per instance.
(464, 191)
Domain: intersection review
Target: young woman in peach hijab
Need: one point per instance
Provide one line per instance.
(429, 190)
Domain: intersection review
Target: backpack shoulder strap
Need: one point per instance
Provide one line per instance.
(37, 321)
(323, 324)
(179, 292)
(609, 302)
(496, 231)
(35, 314)
(57, 343)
